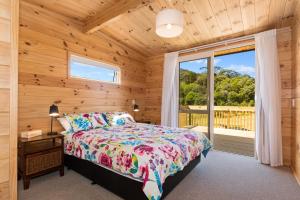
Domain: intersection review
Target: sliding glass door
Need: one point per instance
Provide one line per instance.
(234, 111)
(216, 97)
(195, 92)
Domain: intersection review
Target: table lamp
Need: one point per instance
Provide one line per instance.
(53, 112)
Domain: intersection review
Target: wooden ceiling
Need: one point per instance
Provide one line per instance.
(205, 20)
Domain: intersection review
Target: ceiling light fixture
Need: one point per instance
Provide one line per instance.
(169, 23)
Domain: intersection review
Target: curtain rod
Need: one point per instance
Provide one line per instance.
(224, 42)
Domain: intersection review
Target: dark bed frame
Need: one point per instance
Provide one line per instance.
(120, 185)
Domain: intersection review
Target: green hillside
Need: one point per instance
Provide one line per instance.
(231, 88)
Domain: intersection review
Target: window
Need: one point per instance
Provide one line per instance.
(85, 68)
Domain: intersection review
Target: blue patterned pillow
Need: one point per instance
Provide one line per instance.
(119, 121)
(79, 122)
(97, 120)
(109, 116)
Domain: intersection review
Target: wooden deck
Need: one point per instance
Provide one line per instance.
(233, 141)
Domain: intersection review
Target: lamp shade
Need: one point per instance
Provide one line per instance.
(169, 23)
(136, 108)
(53, 112)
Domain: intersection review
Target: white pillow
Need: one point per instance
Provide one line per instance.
(64, 132)
(119, 120)
(128, 117)
(65, 124)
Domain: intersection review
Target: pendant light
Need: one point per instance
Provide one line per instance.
(169, 23)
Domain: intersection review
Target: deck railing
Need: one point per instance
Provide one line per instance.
(229, 117)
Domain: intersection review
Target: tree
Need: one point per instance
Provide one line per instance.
(230, 88)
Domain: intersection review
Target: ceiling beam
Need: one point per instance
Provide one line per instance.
(120, 7)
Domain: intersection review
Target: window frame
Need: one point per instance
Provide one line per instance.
(93, 62)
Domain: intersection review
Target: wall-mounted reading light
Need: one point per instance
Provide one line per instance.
(135, 106)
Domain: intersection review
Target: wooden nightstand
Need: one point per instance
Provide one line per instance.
(40, 155)
(144, 121)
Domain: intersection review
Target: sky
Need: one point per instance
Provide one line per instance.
(243, 63)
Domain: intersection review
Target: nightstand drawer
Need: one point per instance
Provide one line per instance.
(42, 161)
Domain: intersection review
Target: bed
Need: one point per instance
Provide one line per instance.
(135, 161)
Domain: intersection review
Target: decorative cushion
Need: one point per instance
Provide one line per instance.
(65, 124)
(109, 116)
(79, 122)
(97, 120)
(117, 118)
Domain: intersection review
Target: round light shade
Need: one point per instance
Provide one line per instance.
(169, 23)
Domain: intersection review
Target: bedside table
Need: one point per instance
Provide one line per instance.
(40, 155)
(144, 122)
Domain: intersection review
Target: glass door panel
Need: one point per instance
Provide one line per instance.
(194, 89)
(234, 92)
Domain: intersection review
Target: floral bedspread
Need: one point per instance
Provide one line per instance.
(144, 151)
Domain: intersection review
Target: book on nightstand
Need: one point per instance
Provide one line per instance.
(30, 134)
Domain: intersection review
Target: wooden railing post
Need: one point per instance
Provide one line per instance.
(228, 120)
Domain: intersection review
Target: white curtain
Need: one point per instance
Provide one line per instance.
(268, 103)
(170, 90)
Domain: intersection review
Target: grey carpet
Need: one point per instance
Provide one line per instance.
(222, 176)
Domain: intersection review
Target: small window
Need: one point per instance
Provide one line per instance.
(85, 68)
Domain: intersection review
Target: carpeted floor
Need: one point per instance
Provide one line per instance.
(222, 176)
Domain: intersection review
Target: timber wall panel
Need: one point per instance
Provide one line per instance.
(296, 111)
(8, 65)
(46, 38)
(4, 188)
(154, 89)
(284, 43)
(4, 76)
(4, 88)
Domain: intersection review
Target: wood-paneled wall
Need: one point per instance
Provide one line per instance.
(154, 80)
(8, 97)
(284, 42)
(45, 40)
(296, 111)
(154, 89)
